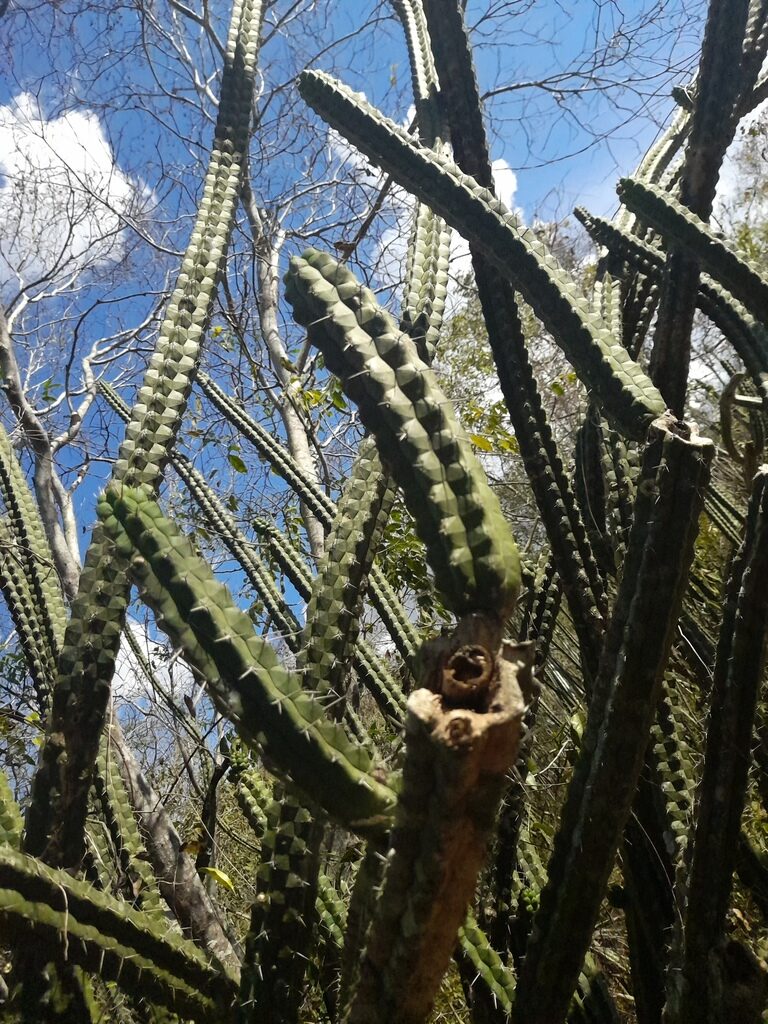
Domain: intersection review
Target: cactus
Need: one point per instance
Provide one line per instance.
(367, 843)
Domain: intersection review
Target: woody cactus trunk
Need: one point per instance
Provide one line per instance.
(447, 873)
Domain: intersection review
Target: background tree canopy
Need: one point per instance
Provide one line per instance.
(383, 516)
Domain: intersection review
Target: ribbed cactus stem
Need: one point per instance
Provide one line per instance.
(244, 678)
(383, 596)
(705, 986)
(469, 544)
(58, 808)
(637, 646)
(627, 396)
(76, 924)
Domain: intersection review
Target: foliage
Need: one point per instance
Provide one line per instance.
(395, 798)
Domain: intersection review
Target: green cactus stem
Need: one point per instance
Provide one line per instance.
(469, 544)
(681, 227)
(541, 458)
(338, 591)
(713, 123)
(383, 596)
(76, 924)
(244, 678)
(702, 994)
(627, 396)
(56, 818)
(616, 737)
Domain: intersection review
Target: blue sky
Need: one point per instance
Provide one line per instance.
(129, 121)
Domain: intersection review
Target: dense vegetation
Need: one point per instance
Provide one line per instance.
(439, 775)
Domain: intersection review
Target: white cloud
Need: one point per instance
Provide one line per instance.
(61, 194)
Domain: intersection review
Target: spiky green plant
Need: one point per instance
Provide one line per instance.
(371, 935)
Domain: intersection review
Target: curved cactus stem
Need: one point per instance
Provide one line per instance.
(637, 646)
(469, 544)
(236, 542)
(453, 775)
(683, 228)
(627, 396)
(56, 819)
(76, 924)
(241, 671)
(713, 123)
(384, 599)
(702, 993)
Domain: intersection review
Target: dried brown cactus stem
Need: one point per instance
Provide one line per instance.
(462, 735)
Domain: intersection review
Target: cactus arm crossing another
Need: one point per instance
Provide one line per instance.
(628, 398)
(616, 737)
(241, 671)
(746, 334)
(56, 818)
(735, 688)
(682, 227)
(79, 925)
(338, 590)
(541, 457)
(385, 689)
(383, 596)
(713, 123)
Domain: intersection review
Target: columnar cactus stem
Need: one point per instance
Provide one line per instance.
(713, 124)
(86, 666)
(637, 646)
(541, 458)
(77, 924)
(383, 596)
(703, 994)
(264, 701)
(627, 396)
(469, 544)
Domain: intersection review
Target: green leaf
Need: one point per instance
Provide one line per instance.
(237, 463)
(481, 442)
